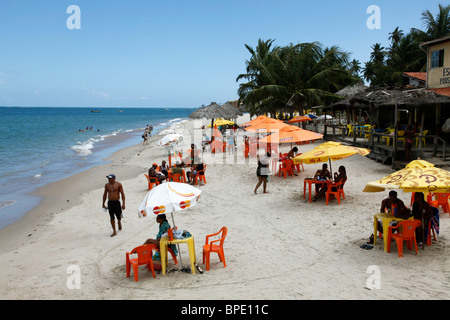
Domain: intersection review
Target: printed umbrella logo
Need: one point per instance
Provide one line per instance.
(185, 204)
(159, 210)
(181, 194)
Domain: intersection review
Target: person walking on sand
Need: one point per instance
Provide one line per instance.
(144, 136)
(262, 172)
(113, 190)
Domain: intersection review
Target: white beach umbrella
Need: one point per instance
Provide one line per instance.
(324, 117)
(168, 139)
(166, 131)
(169, 197)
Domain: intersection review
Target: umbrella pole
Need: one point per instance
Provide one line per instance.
(178, 245)
(423, 232)
(331, 170)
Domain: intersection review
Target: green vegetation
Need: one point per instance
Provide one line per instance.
(295, 77)
(404, 54)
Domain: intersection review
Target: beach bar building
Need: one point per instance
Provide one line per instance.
(376, 118)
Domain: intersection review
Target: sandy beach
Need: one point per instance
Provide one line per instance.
(278, 247)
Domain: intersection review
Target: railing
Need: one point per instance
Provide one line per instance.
(378, 137)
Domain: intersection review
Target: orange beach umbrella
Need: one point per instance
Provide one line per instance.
(290, 134)
(255, 121)
(267, 125)
(299, 119)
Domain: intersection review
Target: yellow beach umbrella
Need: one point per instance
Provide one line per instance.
(329, 151)
(417, 176)
(221, 122)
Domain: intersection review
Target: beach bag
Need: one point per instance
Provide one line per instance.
(156, 259)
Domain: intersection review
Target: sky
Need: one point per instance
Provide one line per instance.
(172, 53)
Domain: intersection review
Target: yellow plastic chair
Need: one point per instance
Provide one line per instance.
(370, 129)
(388, 139)
(350, 130)
(400, 137)
(424, 133)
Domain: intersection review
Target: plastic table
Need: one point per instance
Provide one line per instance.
(310, 182)
(385, 218)
(163, 245)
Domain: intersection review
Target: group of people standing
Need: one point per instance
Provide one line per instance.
(147, 132)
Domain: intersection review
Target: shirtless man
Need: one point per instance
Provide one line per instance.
(114, 189)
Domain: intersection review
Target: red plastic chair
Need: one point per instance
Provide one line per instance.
(286, 167)
(218, 248)
(441, 200)
(175, 159)
(151, 182)
(335, 189)
(408, 234)
(177, 177)
(200, 175)
(144, 257)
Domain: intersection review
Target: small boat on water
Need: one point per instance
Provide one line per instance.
(95, 111)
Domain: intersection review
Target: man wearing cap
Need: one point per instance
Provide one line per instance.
(114, 189)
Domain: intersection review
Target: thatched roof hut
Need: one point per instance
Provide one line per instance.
(385, 97)
(380, 105)
(214, 111)
(350, 91)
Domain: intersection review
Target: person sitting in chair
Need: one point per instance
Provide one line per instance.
(395, 206)
(154, 173)
(341, 176)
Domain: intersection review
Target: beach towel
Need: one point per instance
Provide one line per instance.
(434, 225)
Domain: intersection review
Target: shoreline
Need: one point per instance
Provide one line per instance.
(56, 197)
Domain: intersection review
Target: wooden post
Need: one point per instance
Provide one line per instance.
(394, 142)
(421, 129)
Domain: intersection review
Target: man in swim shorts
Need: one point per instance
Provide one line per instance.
(114, 189)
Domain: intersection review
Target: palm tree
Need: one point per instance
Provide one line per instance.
(435, 27)
(377, 55)
(406, 56)
(438, 27)
(293, 77)
(355, 67)
(257, 73)
(395, 36)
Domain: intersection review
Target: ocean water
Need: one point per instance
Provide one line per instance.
(39, 145)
